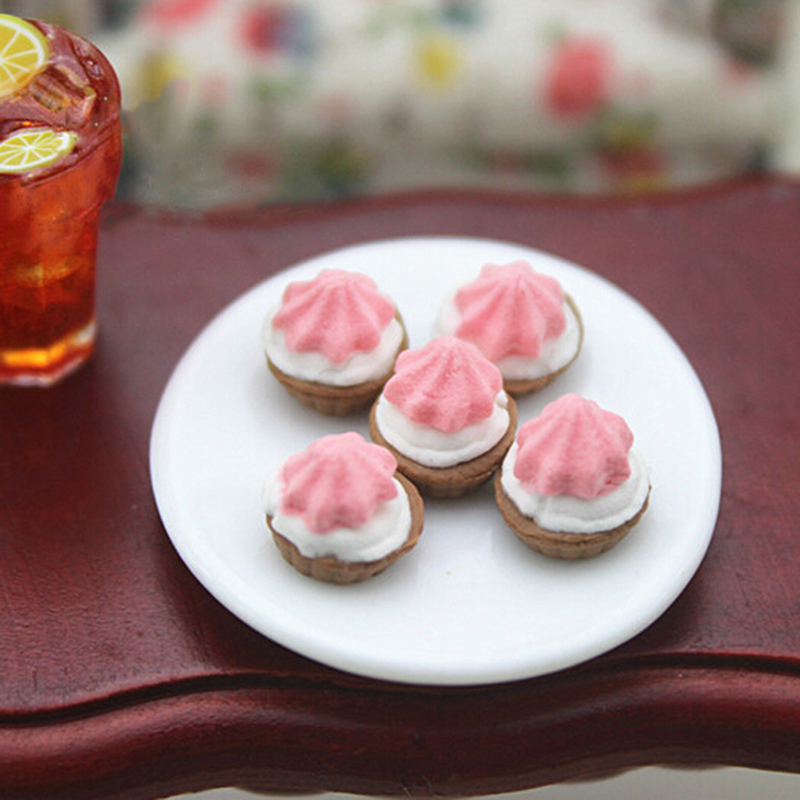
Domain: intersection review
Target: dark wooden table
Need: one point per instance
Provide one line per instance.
(120, 677)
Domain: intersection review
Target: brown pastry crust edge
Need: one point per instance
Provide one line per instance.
(560, 544)
(330, 569)
(460, 479)
(336, 401)
(524, 386)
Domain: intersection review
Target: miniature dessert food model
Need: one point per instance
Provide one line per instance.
(339, 512)
(571, 485)
(332, 341)
(520, 319)
(445, 416)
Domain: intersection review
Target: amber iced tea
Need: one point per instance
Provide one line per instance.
(60, 155)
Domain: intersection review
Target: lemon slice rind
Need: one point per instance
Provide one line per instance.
(34, 149)
(24, 51)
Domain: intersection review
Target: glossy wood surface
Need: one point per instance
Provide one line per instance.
(120, 677)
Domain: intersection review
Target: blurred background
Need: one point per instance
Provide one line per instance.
(247, 102)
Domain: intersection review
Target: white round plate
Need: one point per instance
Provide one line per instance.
(470, 604)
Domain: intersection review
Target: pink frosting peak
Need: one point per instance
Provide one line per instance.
(337, 482)
(511, 310)
(337, 314)
(573, 448)
(447, 384)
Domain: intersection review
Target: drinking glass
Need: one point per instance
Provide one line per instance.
(60, 156)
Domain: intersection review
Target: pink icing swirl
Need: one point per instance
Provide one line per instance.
(447, 385)
(337, 314)
(574, 448)
(511, 310)
(337, 482)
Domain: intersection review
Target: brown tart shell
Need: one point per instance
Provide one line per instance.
(460, 479)
(330, 569)
(560, 544)
(336, 401)
(523, 386)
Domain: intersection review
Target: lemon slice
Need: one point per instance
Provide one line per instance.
(24, 50)
(35, 148)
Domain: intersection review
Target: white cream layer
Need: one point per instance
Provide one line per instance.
(359, 368)
(434, 448)
(555, 353)
(574, 514)
(386, 532)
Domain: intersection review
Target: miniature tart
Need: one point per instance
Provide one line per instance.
(520, 319)
(332, 341)
(571, 485)
(339, 512)
(445, 417)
